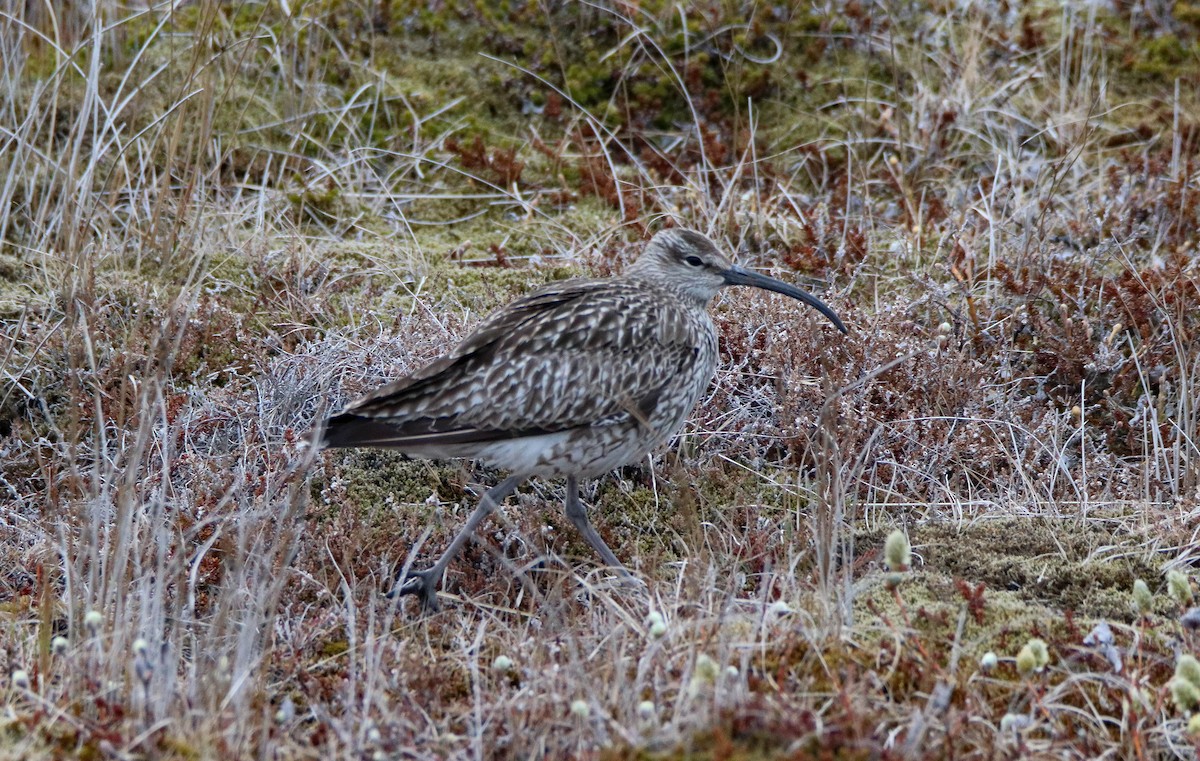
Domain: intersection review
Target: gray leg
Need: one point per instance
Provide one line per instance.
(423, 584)
(579, 519)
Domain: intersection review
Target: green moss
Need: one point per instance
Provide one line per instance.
(934, 604)
(1166, 58)
(322, 204)
(1187, 13)
(640, 524)
(19, 283)
(375, 480)
(182, 748)
(1043, 562)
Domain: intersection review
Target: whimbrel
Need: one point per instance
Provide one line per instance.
(575, 379)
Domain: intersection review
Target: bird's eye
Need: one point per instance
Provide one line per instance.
(695, 261)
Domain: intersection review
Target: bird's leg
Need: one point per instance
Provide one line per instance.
(580, 520)
(423, 584)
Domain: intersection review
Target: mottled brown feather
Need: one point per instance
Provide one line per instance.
(573, 354)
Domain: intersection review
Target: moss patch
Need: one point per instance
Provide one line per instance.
(1058, 564)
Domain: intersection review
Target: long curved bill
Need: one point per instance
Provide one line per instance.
(739, 276)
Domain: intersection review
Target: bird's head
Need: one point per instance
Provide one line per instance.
(688, 262)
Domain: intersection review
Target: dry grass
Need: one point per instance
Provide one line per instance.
(220, 221)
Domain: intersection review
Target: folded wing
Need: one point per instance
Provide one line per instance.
(577, 353)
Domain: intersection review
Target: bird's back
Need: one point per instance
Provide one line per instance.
(568, 362)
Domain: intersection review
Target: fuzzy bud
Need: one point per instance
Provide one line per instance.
(1040, 652)
(897, 552)
(646, 710)
(1033, 657)
(580, 709)
(502, 664)
(59, 645)
(20, 679)
(1142, 599)
(286, 711)
(780, 608)
(1013, 723)
(988, 661)
(93, 619)
(1185, 694)
(706, 671)
(657, 625)
(1179, 588)
(141, 648)
(1188, 668)
(1026, 663)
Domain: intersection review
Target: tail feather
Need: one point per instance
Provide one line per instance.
(346, 430)
(350, 430)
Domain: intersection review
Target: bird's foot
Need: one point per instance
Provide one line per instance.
(423, 584)
(631, 583)
(619, 578)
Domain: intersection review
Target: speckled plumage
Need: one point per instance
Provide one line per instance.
(575, 379)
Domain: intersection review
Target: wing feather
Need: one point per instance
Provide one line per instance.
(569, 355)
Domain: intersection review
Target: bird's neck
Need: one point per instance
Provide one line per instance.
(654, 281)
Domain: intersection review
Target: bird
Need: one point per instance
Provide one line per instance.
(575, 379)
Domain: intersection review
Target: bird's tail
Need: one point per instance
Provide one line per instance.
(350, 430)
